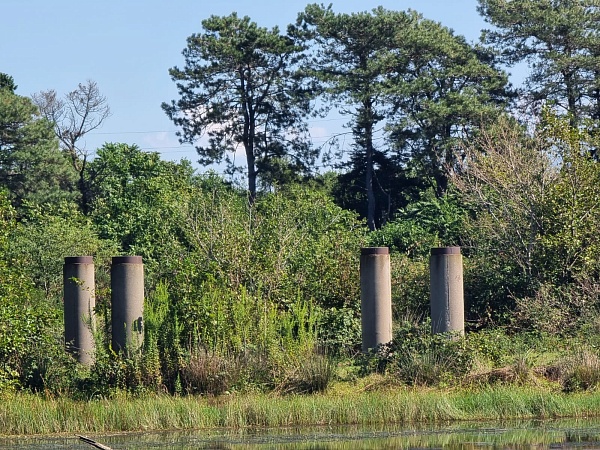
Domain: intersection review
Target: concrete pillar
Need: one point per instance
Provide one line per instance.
(79, 303)
(447, 297)
(127, 297)
(375, 297)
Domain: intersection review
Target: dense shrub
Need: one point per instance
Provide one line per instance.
(30, 343)
(417, 357)
(533, 192)
(428, 222)
(287, 244)
(39, 246)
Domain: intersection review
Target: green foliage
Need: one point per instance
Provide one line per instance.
(406, 236)
(417, 357)
(32, 167)
(496, 347)
(19, 326)
(491, 347)
(432, 87)
(393, 187)
(39, 246)
(305, 245)
(212, 338)
(422, 358)
(423, 224)
(245, 322)
(561, 309)
(534, 197)
(410, 287)
(353, 52)
(339, 330)
(250, 286)
(28, 341)
(293, 243)
(570, 241)
(442, 90)
(240, 81)
(505, 176)
(112, 373)
(558, 39)
(7, 82)
(135, 202)
(492, 279)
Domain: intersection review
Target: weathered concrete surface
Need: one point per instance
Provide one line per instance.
(375, 296)
(447, 295)
(127, 297)
(79, 303)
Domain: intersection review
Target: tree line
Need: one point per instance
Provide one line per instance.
(411, 89)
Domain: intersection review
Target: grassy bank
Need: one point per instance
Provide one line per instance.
(26, 414)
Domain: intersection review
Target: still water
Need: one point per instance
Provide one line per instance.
(556, 434)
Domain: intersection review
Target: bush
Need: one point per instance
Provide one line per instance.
(580, 371)
(422, 358)
(208, 374)
(311, 373)
(429, 222)
(40, 245)
(410, 287)
(417, 357)
(339, 330)
(534, 194)
(31, 352)
(287, 244)
(556, 309)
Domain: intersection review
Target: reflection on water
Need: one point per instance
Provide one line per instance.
(564, 434)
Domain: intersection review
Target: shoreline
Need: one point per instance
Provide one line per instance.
(24, 414)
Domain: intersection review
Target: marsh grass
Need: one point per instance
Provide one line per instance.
(27, 414)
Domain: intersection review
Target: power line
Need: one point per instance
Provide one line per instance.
(182, 149)
(175, 131)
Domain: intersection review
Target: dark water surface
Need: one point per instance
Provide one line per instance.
(556, 434)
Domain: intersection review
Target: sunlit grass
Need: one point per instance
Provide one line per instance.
(26, 414)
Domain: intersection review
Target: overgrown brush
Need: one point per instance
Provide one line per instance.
(209, 373)
(417, 357)
(308, 374)
(580, 371)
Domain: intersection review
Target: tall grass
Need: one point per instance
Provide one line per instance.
(26, 414)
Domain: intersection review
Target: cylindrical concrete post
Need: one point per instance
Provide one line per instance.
(127, 297)
(79, 303)
(375, 297)
(447, 296)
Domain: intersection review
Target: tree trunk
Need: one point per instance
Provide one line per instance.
(248, 137)
(250, 161)
(368, 129)
(571, 98)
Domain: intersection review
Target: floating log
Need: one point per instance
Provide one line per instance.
(93, 443)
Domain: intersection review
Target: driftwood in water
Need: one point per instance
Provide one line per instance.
(93, 443)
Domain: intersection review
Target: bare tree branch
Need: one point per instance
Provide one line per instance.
(78, 113)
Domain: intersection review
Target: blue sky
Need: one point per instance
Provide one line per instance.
(127, 47)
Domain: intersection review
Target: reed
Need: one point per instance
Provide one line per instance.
(27, 414)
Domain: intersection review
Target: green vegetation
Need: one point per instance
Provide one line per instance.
(252, 295)
(26, 415)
